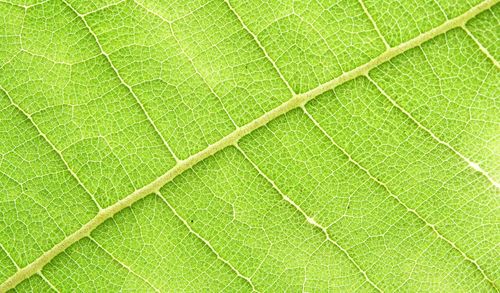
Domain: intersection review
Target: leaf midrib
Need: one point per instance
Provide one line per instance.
(298, 100)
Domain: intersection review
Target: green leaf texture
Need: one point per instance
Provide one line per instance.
(231, 145)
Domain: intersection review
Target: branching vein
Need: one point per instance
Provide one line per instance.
(297, 100)
(309, 219)
(48, 282)
(256, 39)
(481, 47)
(472, 164)
(398, 200)
(129, 88)
(54, 148)
(128, 268)
(190, 60)
(207, 243)
(362, 3)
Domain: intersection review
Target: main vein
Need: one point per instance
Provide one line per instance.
(231, 139)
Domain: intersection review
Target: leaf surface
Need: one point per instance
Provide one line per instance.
(249, 146)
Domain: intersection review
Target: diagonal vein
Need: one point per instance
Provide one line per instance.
(191, 61)
(399, 202)
(309, 219)
(207, 243)
(9, 256)
(128, 268)
(54, 148)
(259, 44)
(472, 164)
(183, 165)
(122, 81)
(48, 282)
(375, 26)
(481, 47)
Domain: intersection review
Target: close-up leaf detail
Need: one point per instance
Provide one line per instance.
(239, 146)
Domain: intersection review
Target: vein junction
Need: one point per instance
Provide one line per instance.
(298, 100)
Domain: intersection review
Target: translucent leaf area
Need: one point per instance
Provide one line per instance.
(239, 146)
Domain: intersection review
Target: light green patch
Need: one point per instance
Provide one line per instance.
(239, 146)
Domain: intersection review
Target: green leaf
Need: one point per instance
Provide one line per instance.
(249, 145)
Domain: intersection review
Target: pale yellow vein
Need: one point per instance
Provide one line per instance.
(232, 138)
(398, 200)
(122, 81)
(309, 219)
(207, 243)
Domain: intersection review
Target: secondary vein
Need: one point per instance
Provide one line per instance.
(232, 138)
(122, 81)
